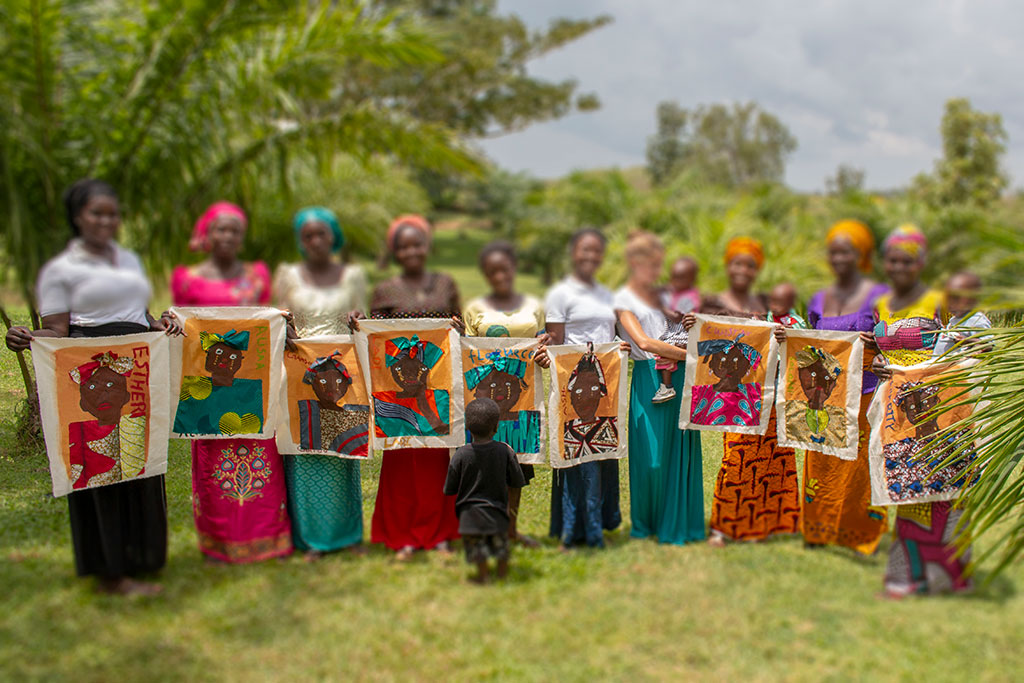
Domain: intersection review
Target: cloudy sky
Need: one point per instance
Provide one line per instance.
(856, 81)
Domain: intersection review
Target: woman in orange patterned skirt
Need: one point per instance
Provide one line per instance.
(837, 493)
(756, 493)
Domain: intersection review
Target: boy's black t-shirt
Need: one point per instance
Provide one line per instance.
(480, 475)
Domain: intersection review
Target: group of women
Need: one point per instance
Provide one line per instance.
(313, 503)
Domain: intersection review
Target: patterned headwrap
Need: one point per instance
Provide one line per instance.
(860, 237)
(589, 363)
(326, 363)
(809, 355)
(324, 215)
(744, 245)
(426, 352)
(926, 390)
(122, 365)
(499, 363)
(236, 340)
(409, 219)
(908, 238)
(709, 347)
(199, 241)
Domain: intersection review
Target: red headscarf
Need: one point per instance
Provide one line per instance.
(409, 219)
(198, 242)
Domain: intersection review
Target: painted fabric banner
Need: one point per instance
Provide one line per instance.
(324, 405)
(414, 381)
(901, 426)
(819, 400)
(502, 369)
(227, 372)
(588, 402)
(105, 408)
(730, 375)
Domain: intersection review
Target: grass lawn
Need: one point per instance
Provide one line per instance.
(637, 610)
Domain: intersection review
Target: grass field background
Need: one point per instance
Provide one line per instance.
(634, 611)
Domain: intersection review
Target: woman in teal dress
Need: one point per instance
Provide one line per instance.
(665, 479)
(324, 491)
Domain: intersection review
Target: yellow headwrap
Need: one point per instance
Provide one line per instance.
(860, 237)
(744, 245)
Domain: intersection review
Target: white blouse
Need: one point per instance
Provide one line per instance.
(320, 310)
(585, 309)
(652, 321)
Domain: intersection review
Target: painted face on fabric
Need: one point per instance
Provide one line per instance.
(732, 365)
(330, 386)
(103, 395)
(817, 384)
(411, 376)
(502, 388)
(99, 220)
(223, 362)
(918, 404)
(585, 395)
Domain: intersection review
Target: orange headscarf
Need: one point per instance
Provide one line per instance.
(410, 219)
(744, 245)
(860, 237)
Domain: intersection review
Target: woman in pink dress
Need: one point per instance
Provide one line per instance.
(238, 485)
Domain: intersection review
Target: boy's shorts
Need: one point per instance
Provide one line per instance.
(480, 547)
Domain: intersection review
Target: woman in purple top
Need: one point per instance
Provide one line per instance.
(837, 493)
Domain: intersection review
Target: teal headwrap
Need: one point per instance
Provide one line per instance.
(318, 213)
(236, 340)
(512, 366)
(397, 348)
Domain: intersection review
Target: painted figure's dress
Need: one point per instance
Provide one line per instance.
(238, 485)
(922, 557)
(106, 454)
(206, 408)
(396, 415)
(837, 493)
(742, 407)
(325, 498)
(411, 508)
(666, 486)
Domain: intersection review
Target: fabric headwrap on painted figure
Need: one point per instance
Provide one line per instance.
(499, 363)
(398, 348)
(406, 220)
(332, 361)
(201, 230)
(588, 363)
(909, 239)
(324, 215)
(926, 391)
(709, 347)
(122, 365)
(859, 236)
(236, 340)
(744, 245)
(809, 355)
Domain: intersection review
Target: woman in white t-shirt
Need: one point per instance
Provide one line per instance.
(584, 498)
(665, 482)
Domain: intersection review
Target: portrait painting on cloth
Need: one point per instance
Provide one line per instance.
(906, 445)
(818, 402)
(730, 375)
(414, 382)
(228, 372)
(503, 370)
(325, 408)
(105, 408)
(588, 401)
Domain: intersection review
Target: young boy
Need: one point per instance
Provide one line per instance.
(682, 297)
(962, 302)
(480, 475)
(781, 303)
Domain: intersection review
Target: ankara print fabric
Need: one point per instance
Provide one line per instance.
(730, 375)
(588, 403)
(503, 370)
(414, 382)
(325, 408)
(902, 425)
(105, 408)
(227, 372)
(818, 401)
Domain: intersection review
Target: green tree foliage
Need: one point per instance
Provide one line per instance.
(970, 170)
(179, 103)
(732, 146)
(847, 180)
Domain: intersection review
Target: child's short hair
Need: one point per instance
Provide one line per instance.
(482, 417)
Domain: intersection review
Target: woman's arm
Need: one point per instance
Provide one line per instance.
(631, 324)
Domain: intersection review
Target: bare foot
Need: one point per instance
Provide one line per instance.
(528, 541)
(312, 555)
(127, 586)
(357, 549)
(444, 548)
(891, 595)
(564, 549)
(716, 541)
(405, 553)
